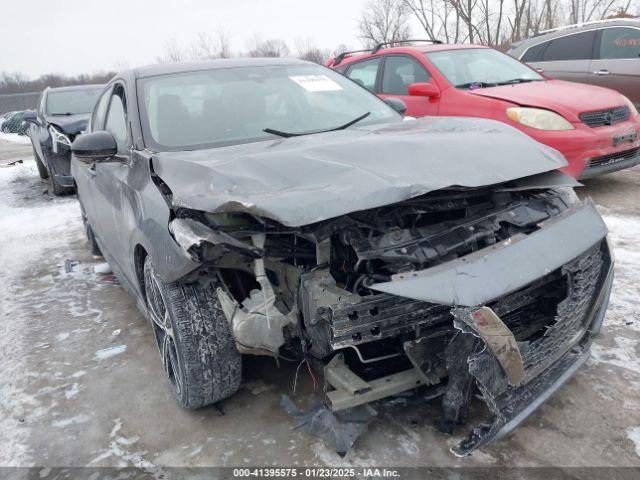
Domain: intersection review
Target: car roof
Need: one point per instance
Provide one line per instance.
(435, 47)
(577, 28)
(170, 68)
(75, 87)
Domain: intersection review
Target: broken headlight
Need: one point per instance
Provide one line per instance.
(569, 195)
(538, 118)
(57, 137)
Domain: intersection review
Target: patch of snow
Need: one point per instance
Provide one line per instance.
(15, 138)
(408, 445)
(62, 336)
(633, 434)
(72, 391)
(119, 450)
(109, 352)
(623, 308)
(623, 355)
(65, 422)
(102, 268)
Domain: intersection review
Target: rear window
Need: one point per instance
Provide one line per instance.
(71, 102)
(620, 43)
(578, 46)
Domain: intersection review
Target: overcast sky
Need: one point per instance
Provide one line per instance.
(75, 36)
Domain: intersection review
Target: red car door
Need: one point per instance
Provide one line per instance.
(400, 71)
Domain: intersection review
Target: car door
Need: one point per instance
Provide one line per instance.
(365, 73)
(617, 61)
(400, 71)
(109, 193)
(564, 58)
(84, 174)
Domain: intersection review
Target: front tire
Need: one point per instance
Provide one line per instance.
(194, 338)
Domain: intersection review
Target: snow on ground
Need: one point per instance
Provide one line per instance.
(15, 138)
(29, 232)
(623, 314)
(633, 434)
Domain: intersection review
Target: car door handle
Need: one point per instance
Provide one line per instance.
(540, 70)
(92, 170)
(602, 72)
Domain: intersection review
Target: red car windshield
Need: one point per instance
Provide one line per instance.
(481, 67)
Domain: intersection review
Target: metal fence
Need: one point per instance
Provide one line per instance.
(18, 101)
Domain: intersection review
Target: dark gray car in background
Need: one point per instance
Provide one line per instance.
(604, 53)
(61, 115)
(274, 207)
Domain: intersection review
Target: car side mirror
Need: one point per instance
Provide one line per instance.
(95, 147)
(30, 116)
(397, 104)
(426, 89)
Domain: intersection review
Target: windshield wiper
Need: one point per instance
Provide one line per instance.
(518, 80)
(476, 84)
(66, 114)
(341, 127)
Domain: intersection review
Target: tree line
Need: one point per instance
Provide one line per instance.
(19, 83)
(208, 46)
(497, 23)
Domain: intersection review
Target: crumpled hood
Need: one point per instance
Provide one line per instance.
(71, 124)
(302, 180)
(566, 98)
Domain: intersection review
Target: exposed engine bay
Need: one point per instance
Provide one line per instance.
(351, 296)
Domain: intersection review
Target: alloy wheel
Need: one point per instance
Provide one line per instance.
(162, 327)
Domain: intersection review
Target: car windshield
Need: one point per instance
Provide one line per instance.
(481, 67)
(72, 102)
(228, 106)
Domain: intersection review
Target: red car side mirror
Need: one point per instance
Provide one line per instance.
(426, 89)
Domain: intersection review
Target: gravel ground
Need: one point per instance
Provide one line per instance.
(81, 382)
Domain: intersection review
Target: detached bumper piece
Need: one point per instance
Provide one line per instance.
(611, 163)
(549, 359)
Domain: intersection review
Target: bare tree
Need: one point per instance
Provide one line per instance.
(306, 49)
(274, 47)
(173, 52)
(384, 21)
(207, 47)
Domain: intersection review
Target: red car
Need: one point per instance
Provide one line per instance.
(595, 128)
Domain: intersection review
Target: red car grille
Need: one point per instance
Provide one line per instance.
(613, 157)
(601, 118)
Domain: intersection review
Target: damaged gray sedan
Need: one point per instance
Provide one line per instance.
(274, 207)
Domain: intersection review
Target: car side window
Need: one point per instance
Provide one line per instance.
(365, 73)
(578, 46)
(116, 122)
(534, 54)
(97, 119)
(400, 72)
(620, 42)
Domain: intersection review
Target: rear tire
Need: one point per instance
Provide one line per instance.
(194, 338)
(56, 188)
(42, 170)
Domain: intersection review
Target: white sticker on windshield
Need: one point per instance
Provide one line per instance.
(316, 83)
